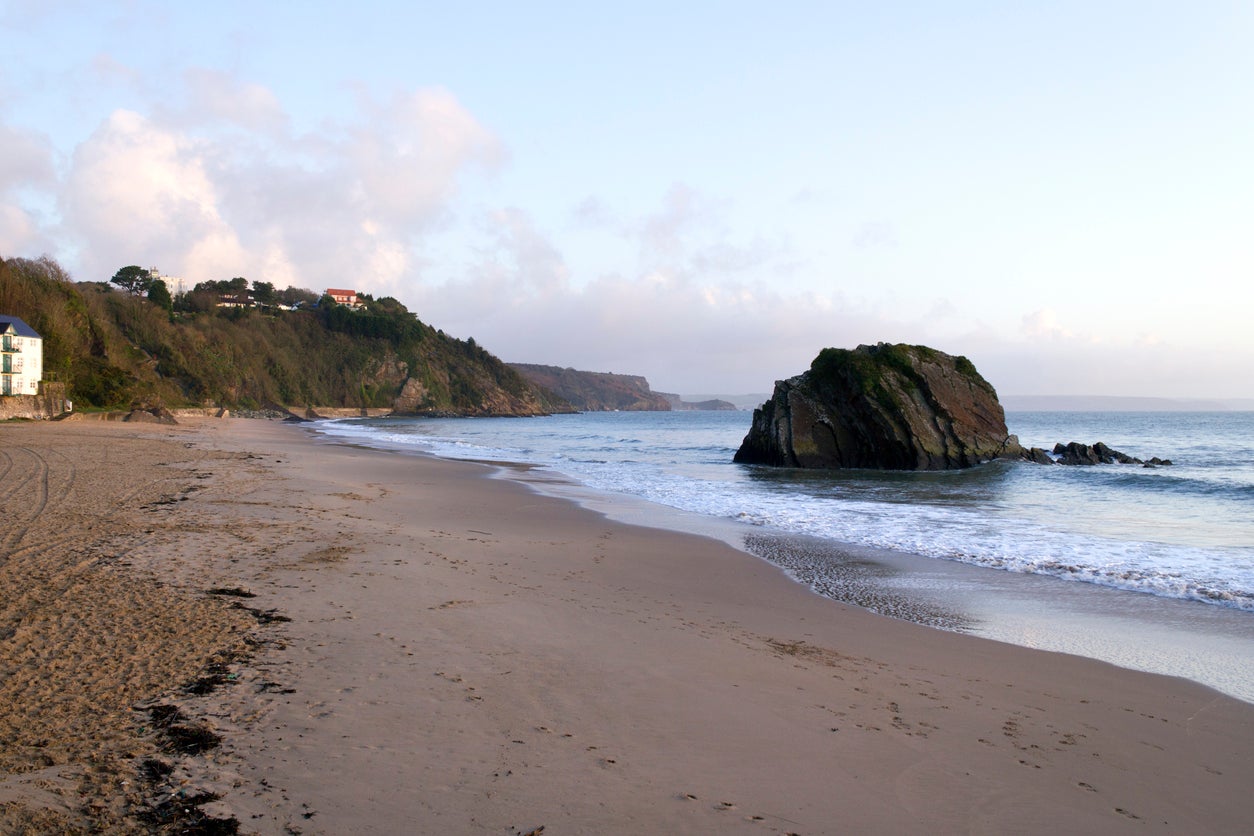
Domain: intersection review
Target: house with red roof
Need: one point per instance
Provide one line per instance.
(344, 297)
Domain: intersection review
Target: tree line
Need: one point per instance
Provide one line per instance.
(207, 295)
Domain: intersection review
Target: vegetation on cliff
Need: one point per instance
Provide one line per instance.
(709, 405)
(596, 391)
(115, 347)
(878, 371)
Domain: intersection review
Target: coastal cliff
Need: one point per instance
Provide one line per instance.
(112, 349)
(595, 391)
(889, 407)
(709, 405)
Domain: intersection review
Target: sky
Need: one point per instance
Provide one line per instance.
(706, 194)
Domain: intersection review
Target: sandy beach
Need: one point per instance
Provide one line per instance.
(230, 623)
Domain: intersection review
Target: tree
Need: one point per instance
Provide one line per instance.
(200, 299)
(388, 305)
(159, 294)
(297, 296)
(264, 293)
(134, 279)
(236, 288)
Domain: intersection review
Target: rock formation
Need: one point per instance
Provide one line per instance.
(596, 391)
(889, 407)
(1083, 454)
(150, 415)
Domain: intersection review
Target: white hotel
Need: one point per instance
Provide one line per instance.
(21, 357)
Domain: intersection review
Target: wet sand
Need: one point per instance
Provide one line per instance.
(464, 655)
(1209, 644)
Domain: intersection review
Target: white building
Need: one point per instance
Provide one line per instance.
(344, 297)
(21, 357)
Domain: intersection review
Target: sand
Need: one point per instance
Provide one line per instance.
(464, 655)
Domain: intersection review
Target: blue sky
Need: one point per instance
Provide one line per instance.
(703, 193)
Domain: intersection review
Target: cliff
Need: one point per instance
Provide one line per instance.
(890, 407)
(112, 349)
(596, 391)
(709, 405)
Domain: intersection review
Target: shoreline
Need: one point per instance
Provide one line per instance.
(465, 654)
(1210, 644)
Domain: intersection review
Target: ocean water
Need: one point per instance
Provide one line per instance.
(1169, 548)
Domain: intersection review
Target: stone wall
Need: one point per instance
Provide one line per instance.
(49, 403)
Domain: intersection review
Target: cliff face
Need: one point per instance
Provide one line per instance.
(596, 391)
(491, 387)
(889, 407)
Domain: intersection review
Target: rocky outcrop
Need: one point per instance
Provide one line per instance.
(150, 415)
(1084, 454)
(413, 395)
(595, 391)
(889, 407)
(466, 390)
(1037, 455)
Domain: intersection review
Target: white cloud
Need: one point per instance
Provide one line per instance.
(406, 155)
(682, 328)
(217, 97)
(19, 233)
(663, 233)
(25, 165)
(680, 334)
(689, 329)
(1044, 324)
(521, 251)
(24, 159)
(220, 188)
(138, 192)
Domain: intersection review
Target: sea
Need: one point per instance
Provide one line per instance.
(1150, 568)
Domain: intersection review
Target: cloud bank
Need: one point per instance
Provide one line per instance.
(222, 186)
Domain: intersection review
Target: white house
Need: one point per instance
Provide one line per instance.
(344, 297)
(21, 357)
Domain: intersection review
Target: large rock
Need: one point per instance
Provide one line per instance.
(150, 415)
(890, 407)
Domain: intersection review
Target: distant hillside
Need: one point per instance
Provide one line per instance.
(750, 401)
(113, 349)
(596, 391)
(1116, 403)
(709, 405)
